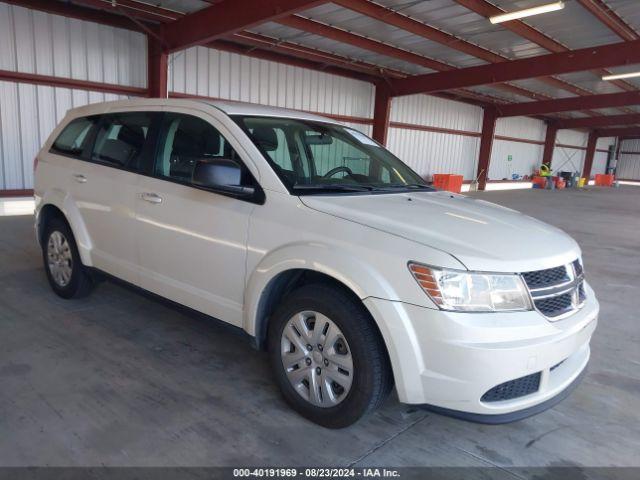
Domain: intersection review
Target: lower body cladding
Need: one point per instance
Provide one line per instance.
(485, 367)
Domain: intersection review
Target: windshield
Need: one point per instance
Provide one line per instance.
(315, 157)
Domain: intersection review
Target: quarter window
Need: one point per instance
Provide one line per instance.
(121, 139)
(74, 136)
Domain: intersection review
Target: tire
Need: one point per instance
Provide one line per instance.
(370, 378)
(75, 282)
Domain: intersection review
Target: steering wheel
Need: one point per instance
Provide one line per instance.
(339, 169)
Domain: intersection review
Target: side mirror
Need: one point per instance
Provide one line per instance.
(222, 174)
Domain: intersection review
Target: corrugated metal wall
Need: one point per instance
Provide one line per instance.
(213, 73)
(629, 161)
(434, 152)
(568, 159)
(36, 42)
(510, 158)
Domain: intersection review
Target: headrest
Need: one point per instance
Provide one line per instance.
(266, 137)
(132, 135)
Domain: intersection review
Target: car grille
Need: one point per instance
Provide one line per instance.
(559, 291)
(555, 306)
(546, 278)
(513, 389)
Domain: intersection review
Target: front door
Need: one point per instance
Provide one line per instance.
(192, 242)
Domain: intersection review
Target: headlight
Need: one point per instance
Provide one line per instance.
(471, 291)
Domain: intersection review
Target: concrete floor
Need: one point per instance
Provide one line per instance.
(120, 379)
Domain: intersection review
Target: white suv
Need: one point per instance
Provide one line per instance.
(325, 249)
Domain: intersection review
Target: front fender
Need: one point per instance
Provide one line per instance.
(63, 201)
(360, 277)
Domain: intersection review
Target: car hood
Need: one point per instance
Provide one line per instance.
(481, 235)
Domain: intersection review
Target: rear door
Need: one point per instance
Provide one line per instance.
(192, 241)
(104, 188)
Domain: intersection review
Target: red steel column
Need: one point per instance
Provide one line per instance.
(588, 159)
(549, 143)
(381, 113)
(486, 144)
(157, 68)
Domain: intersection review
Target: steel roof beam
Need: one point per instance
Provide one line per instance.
(416, 27)
(544, 65)
(296, 61)
(317, 28)
(608, 100)
(619, 132)
(337, 34)
(133, 8)
(295, 50)
(486, 9)
(228, 17)
(391, 17)
(610, 18)
(603, 121)
(78, 12)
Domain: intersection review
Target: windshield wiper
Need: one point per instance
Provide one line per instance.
(411, 186)
(334, 188)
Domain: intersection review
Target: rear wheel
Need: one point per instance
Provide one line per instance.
(327, 356)
(67, 275)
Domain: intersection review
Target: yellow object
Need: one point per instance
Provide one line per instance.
(545, 171)
(581, 182)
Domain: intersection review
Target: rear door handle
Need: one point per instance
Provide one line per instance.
(80, 178)
(151, 197)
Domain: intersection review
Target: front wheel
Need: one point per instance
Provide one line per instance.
(328, 357)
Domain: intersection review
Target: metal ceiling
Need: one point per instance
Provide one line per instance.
(574, 27)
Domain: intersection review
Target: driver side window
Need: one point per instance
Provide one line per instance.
(184, 140)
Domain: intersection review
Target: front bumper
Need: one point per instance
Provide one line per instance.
(450, 359)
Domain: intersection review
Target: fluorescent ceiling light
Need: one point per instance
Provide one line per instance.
(505, 17)
(618, 76)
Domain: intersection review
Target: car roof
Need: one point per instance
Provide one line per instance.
(229, 107)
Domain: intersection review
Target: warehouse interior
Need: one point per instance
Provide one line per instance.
(129, 381)
(378, 67)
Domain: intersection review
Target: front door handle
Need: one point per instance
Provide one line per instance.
(80, 178)
(151, 198)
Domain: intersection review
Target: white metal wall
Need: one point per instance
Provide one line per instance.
(37, 42)
(629, 162)
(428, 152)
(509, 157)
(568, 159)
(213, 73)
(434, 152)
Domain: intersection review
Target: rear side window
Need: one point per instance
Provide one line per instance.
(121, 139)
(73, 138)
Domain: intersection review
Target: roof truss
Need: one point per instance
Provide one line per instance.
(224, 23)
